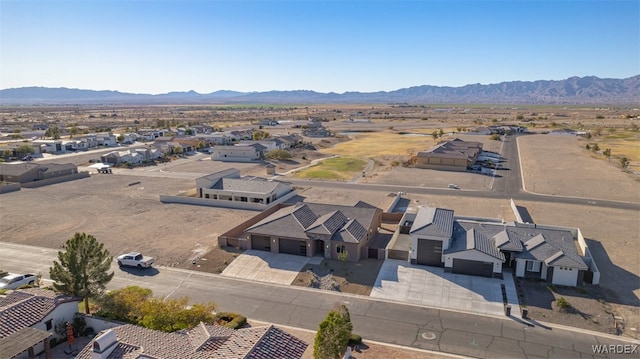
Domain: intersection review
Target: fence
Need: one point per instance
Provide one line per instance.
(54, 180)
(224, 204)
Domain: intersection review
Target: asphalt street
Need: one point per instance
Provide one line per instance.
(390, 322)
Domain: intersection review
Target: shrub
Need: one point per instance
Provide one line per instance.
(563, 303)
(495, 137)
(230, 320)
(354, 339)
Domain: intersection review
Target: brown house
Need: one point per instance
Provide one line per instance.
(453, 155)
(309, 229)
(29, 172)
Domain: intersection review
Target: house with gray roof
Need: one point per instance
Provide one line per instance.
(228, 185)
(309, 229)
(32, 312)
(29, 172)
(483, 247)
(202, 342)
(239, 152)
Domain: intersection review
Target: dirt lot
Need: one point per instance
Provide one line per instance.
(575, 173)
(586, 307)
(125, 217)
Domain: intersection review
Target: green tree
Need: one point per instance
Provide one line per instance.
(120, 138)
(434, 134)
(278, 155)
(124, 304)
(624, 163)
(595, 147)
(440, 133)
(83, 269)
(73, 131)
(607, 152)
(7, 154)
(25, 150)
(53, 132)
(172, 314)
(333, 334)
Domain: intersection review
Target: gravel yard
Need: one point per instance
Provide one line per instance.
(574, 173)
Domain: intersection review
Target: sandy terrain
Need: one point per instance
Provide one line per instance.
(559, 165)
(124, 217)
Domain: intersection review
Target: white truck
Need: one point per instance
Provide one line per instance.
(135, 259)
(13, 281)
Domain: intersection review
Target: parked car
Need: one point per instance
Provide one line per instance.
(27, 158)
(135, 259)
(13, 281)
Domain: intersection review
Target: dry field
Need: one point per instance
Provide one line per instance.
(124, 217)
(574, 172)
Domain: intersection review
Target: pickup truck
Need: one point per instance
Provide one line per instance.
(13, 281)
(135, 259)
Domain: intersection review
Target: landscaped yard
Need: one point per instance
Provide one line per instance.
(354, 278)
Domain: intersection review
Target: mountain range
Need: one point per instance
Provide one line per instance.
(571, 91)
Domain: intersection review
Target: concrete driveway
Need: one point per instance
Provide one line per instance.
(431, 286)
(266, 266)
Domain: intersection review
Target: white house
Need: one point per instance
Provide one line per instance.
(35, 308)
(50, 146)
(106, 139)
(483, 247)
(227, 185)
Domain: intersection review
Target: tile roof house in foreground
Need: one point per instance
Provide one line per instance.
(202, 342)
(482, 247)
(309, 228)
(32, 313)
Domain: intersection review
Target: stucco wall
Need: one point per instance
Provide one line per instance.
(55, 180)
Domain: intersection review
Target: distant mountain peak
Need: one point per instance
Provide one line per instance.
(573, 90)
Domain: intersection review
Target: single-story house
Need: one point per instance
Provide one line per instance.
(238, 153)
(28, 318)
(29, 172)
(50, 146)
(132, 156)
(106, 139)
(309, 228)
(202, 342)
(484, 247)
(227, 185)
(452, 155)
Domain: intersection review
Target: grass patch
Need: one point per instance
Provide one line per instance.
(381, 144)
(339, 168)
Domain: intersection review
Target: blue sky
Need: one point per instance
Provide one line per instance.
(155, 47)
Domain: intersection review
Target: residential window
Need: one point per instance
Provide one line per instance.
(533, 266)
(340, 249)
(48, 324)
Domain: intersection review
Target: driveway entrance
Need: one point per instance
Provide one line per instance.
(431, 286)
(266, 266)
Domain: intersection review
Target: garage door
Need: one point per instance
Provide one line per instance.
(292, 246)
(260, 243)
(429, 252)
(465, 266)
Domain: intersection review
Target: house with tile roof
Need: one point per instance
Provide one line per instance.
(33, 308)
(452, 155)
(228, 185)
(308, 229)
(202, 342)
(483, 247)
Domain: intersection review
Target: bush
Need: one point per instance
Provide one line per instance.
(563, 303)
(354, 339)
(230, 320)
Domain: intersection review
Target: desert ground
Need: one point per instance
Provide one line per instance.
(127, 215)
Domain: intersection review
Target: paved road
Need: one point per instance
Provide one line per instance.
(389, 322)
